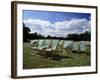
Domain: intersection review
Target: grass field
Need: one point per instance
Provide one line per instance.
(32, 60)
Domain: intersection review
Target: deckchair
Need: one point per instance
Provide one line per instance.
(67, 46)
(82, 46)
(53, 45)
(61, 43)
(88, 43)
(75, 47)
(52, 48)
(34, 44)
(44, 44)
(41, 44)
(61, 46)
(85, 46)
(47, 44)
(88, 47)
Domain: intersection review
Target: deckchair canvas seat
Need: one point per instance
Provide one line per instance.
(83, 46)
(75, 46)
(67, 46)
(34, 43)
(51, 48)
(53, 45)
(43, 47)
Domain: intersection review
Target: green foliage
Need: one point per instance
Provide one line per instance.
(86, 36)
(26, 34)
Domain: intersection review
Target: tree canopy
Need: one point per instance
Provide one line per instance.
(26, 34)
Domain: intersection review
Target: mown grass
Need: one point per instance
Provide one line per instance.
(33, 60)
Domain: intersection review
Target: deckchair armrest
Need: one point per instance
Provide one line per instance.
(34, 47)
(43, 47)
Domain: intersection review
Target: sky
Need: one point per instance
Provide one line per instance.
(58, 24)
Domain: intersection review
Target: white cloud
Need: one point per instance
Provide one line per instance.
(58, 28)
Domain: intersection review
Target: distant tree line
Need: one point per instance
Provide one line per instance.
(27, 36)
(86, 36)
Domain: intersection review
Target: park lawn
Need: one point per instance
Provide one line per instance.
(32, 60)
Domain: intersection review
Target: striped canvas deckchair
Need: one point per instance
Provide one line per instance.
(61, 46)
(52, 49)
(41, 44)
(34, 44)
(67, 46)
(37, 44)
(75, 47)
(48, 43)
(85, 46)
(53, 45)
(82, 46)
(44, 44)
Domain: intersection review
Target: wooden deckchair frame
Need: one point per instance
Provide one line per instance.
(45, 50)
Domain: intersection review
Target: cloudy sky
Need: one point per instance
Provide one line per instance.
(56, 23)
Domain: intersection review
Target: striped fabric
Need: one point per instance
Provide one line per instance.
(67, 44)
(53, 44)
(75, 46)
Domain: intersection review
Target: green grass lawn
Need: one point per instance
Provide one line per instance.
(33, 60)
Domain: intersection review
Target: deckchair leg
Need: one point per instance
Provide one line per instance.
(52, 55)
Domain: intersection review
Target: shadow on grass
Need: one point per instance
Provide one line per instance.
(54, 56)
(79, 52)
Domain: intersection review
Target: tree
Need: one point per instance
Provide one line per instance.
(26, 34)
(86, 36)
(74, 37)
(26, 30)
